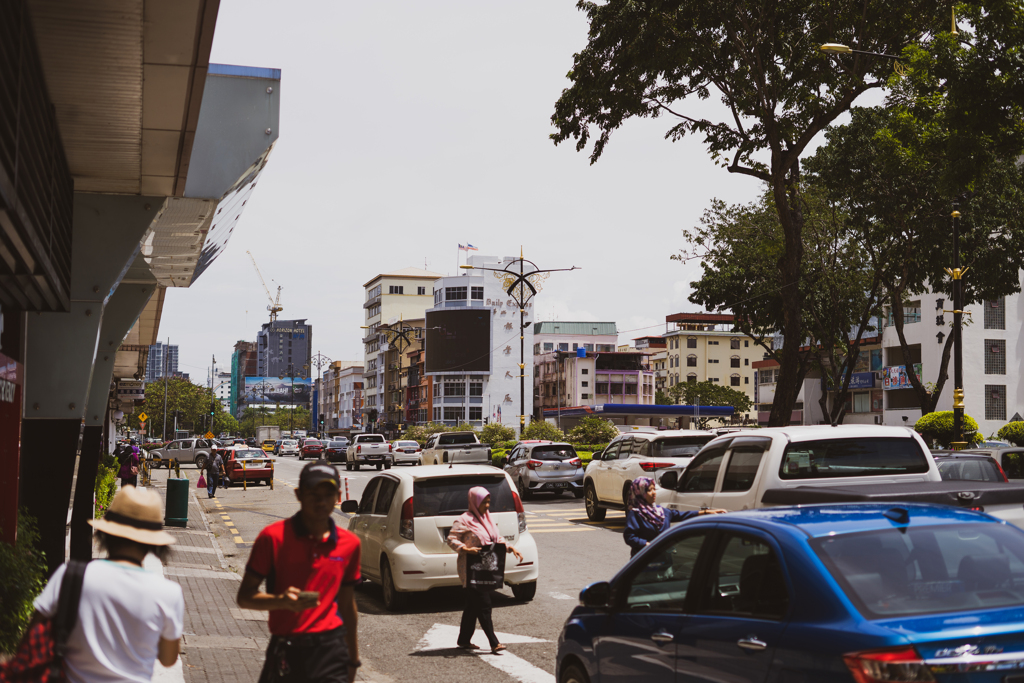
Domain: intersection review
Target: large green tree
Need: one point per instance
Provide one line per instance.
(779, 92)
(190, 402)
(710, 394)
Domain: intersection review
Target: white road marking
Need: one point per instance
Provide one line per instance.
(443, 637)
(561, 596)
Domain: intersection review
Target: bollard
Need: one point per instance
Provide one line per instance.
(176, 510)
(271, 475)
(245, 480)
(346, 488)
(177, 468)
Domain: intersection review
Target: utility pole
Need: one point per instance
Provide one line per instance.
(164, 373)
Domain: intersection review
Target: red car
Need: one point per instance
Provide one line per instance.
(250, 464)
(311, 448)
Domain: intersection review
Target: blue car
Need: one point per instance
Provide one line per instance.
(865, 593)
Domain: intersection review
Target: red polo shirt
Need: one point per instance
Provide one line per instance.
(286, 555)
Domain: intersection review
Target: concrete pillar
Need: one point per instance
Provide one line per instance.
(60, 359)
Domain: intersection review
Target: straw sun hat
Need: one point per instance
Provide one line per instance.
(135, 514)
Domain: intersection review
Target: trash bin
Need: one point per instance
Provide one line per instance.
(176, 512)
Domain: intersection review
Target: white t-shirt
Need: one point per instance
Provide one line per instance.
(123, 614)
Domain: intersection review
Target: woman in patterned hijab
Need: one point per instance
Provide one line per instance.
(645, 520)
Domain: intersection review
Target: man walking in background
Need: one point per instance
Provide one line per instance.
(214, 472)
(311, 568)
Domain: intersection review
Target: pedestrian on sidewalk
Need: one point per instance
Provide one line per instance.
(129, 461)
(128, 617)
(645, 520)
(311, 568)
(473, 531)
(214, 472)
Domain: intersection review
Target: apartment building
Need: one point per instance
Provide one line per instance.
(707, 347)
(657, 348)
(243, 364)
(557, 335)
(400, 295)
(336, 393)
(401, 374)
(564, 379)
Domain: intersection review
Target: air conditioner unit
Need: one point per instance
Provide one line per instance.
(879, 375)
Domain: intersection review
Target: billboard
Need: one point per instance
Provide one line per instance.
(274, 390)
(458, 340)
(895, 377)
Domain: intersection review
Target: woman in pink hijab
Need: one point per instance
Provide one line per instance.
(471, 531)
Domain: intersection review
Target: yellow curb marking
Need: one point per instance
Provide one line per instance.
(229, 523)
(238, 539)
(234, 531)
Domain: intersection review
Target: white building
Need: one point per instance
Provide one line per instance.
(222, 388)
(992, 356)
(473, 348)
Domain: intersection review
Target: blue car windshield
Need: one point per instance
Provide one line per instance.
(930, 569)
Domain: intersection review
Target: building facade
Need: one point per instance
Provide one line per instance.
(222, 388)
(163, 358)
(593, 337)
(475, 360)
(284, 347)
(337, 392)
(389, 297)
(572, 380)
(243, 364)
(706, 347)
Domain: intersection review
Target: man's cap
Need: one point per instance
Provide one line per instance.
(318, 472)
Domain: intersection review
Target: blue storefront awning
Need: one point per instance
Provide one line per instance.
(627, 410)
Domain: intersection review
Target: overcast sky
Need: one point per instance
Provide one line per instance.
(410, 127)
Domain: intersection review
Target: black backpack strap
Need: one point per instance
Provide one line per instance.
(67, 604)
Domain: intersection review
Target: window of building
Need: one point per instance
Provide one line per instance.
(712, 360)
(713, 379)
(746, 361)
(691, 378)
(630, 388)
(575, 346)
(746, 343)
(606, 348)
(734, 380)
(616, 388)
(455, 413)
(601, 387)
(437, 414)
(396, 289)
(995, 314)
(549, 346)
(589, 348)
(995, 402)
(536, 349)
(734, 362)
(455, 293)
(746, 380)
(691, 361)
(476, 413)
(563, 346)
(585, 383)
(995, 356)
(585, 396)
(734, 343)
(691, 342)
(438, 296)
(862, 402)
(454, 388)
(585, 371)
(477, 293)
(476, 387)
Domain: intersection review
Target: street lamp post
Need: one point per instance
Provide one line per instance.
(319, 360)
(521, 286)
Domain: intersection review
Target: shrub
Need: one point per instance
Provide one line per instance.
(496, 433)
(1012, 432)
(421, 433)
(106, 484)
(593, 430)
(23, 569)
(938, 428)
(542, 430)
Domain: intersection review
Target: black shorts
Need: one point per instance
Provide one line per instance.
(307, 657)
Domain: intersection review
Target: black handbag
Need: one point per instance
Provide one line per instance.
(486, 569)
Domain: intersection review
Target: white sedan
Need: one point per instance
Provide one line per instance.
(403, 519)
(407, 452)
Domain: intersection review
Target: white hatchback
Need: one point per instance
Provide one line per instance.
(403, 519)
(288, 447)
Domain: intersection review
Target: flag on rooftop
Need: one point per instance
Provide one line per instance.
(467, 247)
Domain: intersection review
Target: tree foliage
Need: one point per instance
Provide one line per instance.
(23, 568)
(710, 394)
(495, 433)
(593, 429)
(540, 429)
(285, 418)
(193, 404)
(1012, 432)
(645, 60)
(421, 433)
(937, 427)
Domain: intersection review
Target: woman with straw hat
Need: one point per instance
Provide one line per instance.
(128, 617)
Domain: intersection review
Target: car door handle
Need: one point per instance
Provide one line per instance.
(662, 637)
(752, 643)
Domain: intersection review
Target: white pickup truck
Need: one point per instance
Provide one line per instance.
(824, 464)
(460, 448)
(368, 449)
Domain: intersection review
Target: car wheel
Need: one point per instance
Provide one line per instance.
(380, 466)
(387, 466)
(355, 466)
(200, 462)
(625, 496)
(524, 591)
(573, 673)
(524, 490)
(393, 600)
(595, 513)
(348, 466)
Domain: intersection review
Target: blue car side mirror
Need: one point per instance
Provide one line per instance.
(596, 594)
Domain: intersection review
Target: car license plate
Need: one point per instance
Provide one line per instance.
(560, 485)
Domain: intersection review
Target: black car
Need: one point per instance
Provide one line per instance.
(968, 466)
(334, 450)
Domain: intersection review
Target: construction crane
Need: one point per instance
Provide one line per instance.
(275, 306)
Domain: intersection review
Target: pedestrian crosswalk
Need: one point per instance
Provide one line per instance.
(569, 520)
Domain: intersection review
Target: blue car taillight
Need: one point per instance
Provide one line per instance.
(901, 664)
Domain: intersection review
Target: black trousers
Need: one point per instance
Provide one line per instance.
(133, 480)
(307, 658)
(478, 607)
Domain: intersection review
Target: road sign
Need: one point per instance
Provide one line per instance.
(208, 435)
(143, 417)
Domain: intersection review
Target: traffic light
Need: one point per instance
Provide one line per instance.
(212, 408)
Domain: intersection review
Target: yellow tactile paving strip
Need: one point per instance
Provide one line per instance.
(226, 518)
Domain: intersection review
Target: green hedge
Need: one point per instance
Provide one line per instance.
(938, 427)
(23, 568)
(106, 484)
(1012, 432)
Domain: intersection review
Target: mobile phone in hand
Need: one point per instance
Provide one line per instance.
(309, 595)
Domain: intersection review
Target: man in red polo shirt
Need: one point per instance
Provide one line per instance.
(311, 568)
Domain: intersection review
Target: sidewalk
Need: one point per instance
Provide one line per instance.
(222, 643)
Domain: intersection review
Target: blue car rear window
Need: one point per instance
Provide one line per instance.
(860, 457)
(943, 568)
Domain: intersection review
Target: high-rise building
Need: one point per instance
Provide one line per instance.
(155, 367)
(402, 295)
(243, 364)
(222, 388)
(283, 349)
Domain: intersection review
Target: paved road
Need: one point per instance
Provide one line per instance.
(418, 644)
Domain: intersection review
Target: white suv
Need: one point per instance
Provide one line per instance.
(638, 454)
(403, 519)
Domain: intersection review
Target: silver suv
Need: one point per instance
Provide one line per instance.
(185, 451)
(549, 466)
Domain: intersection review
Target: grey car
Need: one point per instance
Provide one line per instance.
(185, 451)
(548, 467)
